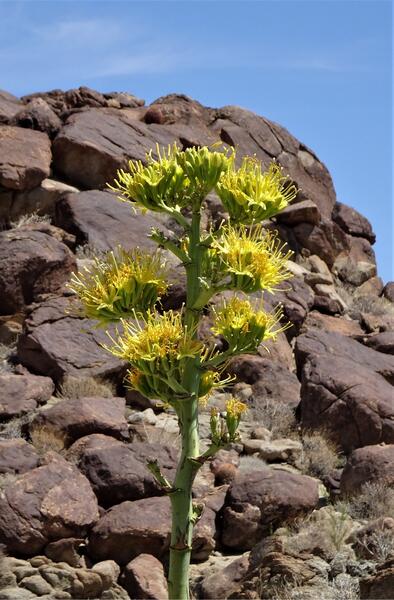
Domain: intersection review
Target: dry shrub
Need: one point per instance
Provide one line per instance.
(29, 219)
(376, 499)
(45, 439)
(319, 456)
(363, 303)
(7, 351)
(379, 545)
(84, 387)
(276, 416)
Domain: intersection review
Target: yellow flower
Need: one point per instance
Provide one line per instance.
(253, 258)
(250, 195)
(159, 347)
(243, 328)
(120, 284)
(158, 185)
(204, 167)
(235, 408)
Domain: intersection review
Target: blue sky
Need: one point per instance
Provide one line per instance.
(321, 68)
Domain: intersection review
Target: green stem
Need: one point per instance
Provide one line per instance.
(181, 498)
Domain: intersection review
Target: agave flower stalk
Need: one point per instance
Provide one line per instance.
(166, 359)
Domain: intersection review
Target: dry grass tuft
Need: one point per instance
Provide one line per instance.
(278, 417)
(376, 499)
(319, 455)
(45, 439)
(29, 219)
(84, 387)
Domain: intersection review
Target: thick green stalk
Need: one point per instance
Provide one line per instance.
(181, 498)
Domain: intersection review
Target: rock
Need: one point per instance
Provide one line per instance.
(268, 379)
(33, 264)
(367, 465)
(326, 239)
(351, 221)
(80, 354)
(22, 393)
(58, 234)
(70, 420)
(11, 593)
(224, 466)
(220, 583)
(204, 532)
(123, 99)
(375, 323)
(132, 528)
(259, 500)
(104, 222)
(296, 298)
(118, 471)
(95, 143)
(25, 157)
(357, 263)
(341, 325)
(285, 450)
(381, 342)
(9, 106)
(41, 200)
(37, 115)
(355, 403)
(37, 585)
(175, 108)
(328, 299)
(316, 343)
(371, 287)
(64, 581)
(109, 572)
(17, 456)
(48, 503)
(388, 291)
(65, 550)
(380, 585)
(305, 211)
(143, 577)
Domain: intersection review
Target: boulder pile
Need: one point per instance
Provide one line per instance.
(305, 502)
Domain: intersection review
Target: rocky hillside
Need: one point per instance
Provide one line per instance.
(304, 506)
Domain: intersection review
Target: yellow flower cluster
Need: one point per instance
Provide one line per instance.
(251, 195)
(253, 258)
(120, 284)
(243, 328)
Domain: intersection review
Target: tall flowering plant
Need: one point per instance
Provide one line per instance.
(167, 361)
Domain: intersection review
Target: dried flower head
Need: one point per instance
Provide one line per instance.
(253, 258)
(251, 195)
(120, 284)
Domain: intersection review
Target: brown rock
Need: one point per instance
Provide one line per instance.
(221, 583)
(357, 263)
(326, 239)
(22, 393)
(80, 353)
(48, 503)
(41, 200)
(351, 221)
(381, 342)
(119, 472)
(37, 115)
(9, 106)
(143, 577)
(341, 325)
(380, 585)
(371, 287)
(17, 456)
(33, 263)
(204, 532)
(354, 403)
(65, 550)
(388, 291)
(95, 143)
(103, 221)
(305, 211)
(366, 465)
(259, 500)
(132, 528)
(175, 108)
(72, 419)
(269, 380)
(25, 157)
(296, 298)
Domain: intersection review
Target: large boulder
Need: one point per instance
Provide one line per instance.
(259, 500)
(37, 115)
(143, 577)
(70, 420)
(25, 157)
(368, 465)
(119, 472)
(33, 263)
(346, 386)
(9, 106)
(103, 221)
(22, 393)
(130, 529)
(80, 352)
(50, 502)
(351, 221)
